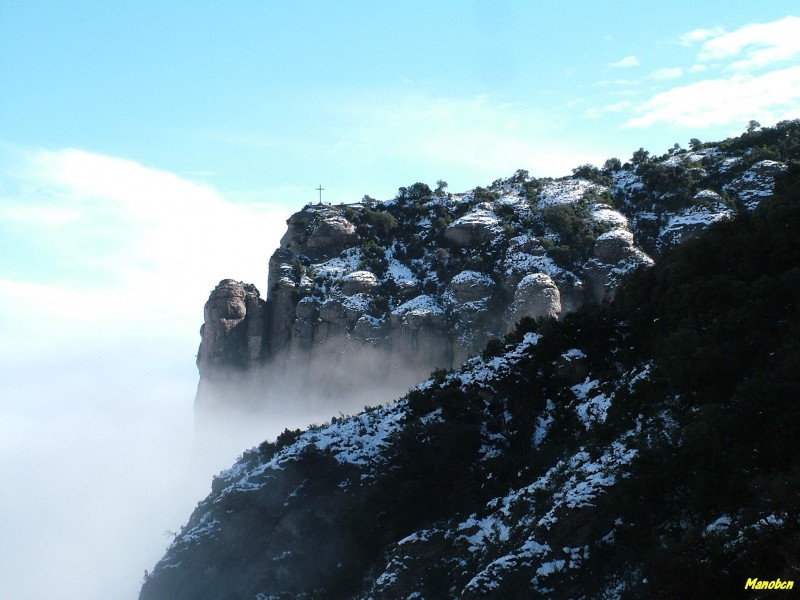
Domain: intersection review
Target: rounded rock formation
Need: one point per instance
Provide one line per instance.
(537, 295)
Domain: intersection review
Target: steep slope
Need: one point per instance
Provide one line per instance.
(643, 448)
(375, 295)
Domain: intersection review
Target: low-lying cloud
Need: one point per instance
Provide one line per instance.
(105, 267)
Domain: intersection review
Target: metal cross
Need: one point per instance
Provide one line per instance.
(319, 189)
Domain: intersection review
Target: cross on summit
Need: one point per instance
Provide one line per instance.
(319, 189)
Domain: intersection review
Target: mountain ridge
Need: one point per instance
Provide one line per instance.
(386, 291)
(642, 447)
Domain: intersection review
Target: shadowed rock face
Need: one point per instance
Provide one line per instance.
(233, 328)
(475, 228)
(232, 342)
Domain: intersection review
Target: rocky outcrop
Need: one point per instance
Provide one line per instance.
(347, 308)
(232, 344)
(318, 233)
(477, 227)
(757, 182)
(233, 328)
(380, 293)
(527, 469)
(537, 295)
(688, 223)
(554, 465)
(614, 254)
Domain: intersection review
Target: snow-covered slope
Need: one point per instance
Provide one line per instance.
(619, 452)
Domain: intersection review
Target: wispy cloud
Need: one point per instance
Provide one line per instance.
(629, 61)
(769, 97)
(617, 107)
(698, 35)
(759, 45)
(757, 78)
(667, 73)
(124, 222)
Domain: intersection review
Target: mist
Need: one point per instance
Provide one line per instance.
(235, 408)
(95, 471)
(105, 268)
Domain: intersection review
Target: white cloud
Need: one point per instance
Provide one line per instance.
(770, 97)
(698, 35)
(667, 73)
(761, 80)
(761, 44)
(629, 61)
(105, 265)
(136, 226)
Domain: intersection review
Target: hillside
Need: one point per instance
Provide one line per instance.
(642, 447)
(372, 296)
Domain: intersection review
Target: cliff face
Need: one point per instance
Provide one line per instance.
(644, 447)
(375, 295)
(379, 294)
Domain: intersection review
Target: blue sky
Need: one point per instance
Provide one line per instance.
(150, 149)
(264, 100)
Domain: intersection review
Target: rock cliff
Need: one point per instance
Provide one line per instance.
(375, 295)
(641, 448)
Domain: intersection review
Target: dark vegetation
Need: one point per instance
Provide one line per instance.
(718, 317)
(717, 321)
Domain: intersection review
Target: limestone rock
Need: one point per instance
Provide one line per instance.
(477, 227)
(688, 223)
(419, 338)
(342, 313)
(470, 286)
(233, 327)
(537, 296)
(232, 343)
(358, 282)
(614, 246)
(318, 233)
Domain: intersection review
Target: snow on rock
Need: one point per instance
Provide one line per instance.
(757, 182)
(537, 295)
(479, 226)
(566, 191)
(593, 409)
(614, 246)
(706, 197)
(401, 274)
(543, 423)
(469, 286)
(720, 524)
(523, 263)
(421, 305)
(691, 221)
(358, 282)
(360, 441)
(602, 213)
(340, 266)
(626, 182)
(478, 370)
